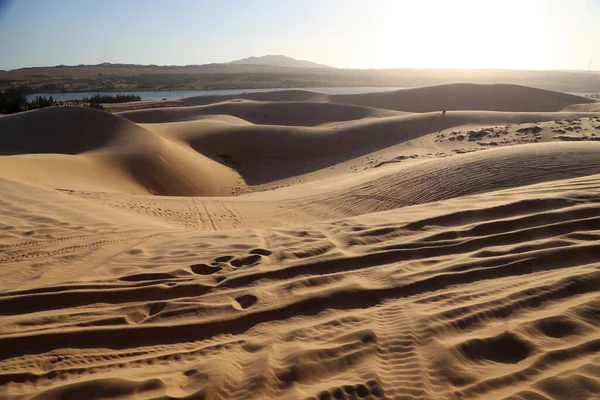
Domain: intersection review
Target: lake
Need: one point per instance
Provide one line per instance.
(180, 94)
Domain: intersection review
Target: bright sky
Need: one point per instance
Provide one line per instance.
(509, 34)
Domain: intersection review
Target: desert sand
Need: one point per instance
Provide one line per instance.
(298, 245)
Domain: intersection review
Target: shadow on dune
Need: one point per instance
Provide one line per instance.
(277, 95)
(265, 153)
(455, 96)
(64, 130)
(293, 113)
(465, 96)
(95, 142)
(275, 140)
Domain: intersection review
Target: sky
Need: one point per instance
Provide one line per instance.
(506, 34)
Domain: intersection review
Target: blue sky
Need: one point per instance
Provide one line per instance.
(520, 34)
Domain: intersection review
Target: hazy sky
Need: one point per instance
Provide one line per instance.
(519, 34)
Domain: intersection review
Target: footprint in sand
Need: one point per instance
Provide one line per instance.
(262, 252)
(246, 261)
(506, 348)
(244, 302)
(203, 269)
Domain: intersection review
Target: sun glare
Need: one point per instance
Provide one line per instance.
(454, 34)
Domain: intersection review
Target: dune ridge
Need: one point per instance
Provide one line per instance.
(304, 246)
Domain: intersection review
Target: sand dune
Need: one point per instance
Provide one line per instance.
(91, 147)
(465, 96)
(590, 107)
(456, 96)
(265, 113)
(245, 142)
(257, 149)
(280, 95)
(290, 246)
(399, 185)
(65, 130)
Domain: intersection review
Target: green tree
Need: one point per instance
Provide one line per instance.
(13, 100)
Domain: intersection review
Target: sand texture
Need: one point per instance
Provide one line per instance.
(298, 245)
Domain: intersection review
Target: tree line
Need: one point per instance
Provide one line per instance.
(106, 98)
(14, 100)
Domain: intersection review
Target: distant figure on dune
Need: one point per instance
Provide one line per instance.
(443, 112)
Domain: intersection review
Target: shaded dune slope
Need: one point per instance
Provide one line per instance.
(464, 96)
(89, 143)
(292, 113)
(278, 95)
(250, 144)
(65, 130)
(173, 169)
(456, 96)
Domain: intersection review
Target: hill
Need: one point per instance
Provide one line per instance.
(279, 61)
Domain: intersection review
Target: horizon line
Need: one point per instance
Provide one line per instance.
(291, 68)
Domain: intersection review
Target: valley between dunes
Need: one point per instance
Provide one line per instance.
(299, 245)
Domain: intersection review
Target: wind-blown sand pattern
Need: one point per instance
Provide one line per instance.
(298, 245)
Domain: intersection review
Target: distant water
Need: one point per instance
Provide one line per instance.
(181, 94)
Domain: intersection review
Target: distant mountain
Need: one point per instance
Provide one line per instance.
(278, 61)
